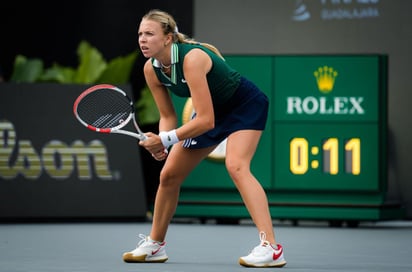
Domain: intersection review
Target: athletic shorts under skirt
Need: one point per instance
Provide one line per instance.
(246, 110)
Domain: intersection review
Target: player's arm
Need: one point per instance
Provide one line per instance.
(168, 117)
(196, 65)
(161, 96)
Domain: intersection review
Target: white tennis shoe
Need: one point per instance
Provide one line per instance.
(147, 251)
(264, 255)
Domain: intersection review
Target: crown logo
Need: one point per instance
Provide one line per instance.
(325, 78)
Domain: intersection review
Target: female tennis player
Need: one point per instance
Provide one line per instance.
(226, 105)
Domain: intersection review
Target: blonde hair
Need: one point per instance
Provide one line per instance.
(169, 26)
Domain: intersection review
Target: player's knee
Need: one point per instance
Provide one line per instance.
(169, 179)
(235, 168)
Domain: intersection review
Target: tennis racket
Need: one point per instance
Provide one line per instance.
(105, 108)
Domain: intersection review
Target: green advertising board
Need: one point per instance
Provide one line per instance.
(323, 152)
(330, 122)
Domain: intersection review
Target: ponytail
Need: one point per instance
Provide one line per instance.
(182, 38)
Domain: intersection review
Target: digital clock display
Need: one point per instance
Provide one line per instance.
(299, 157)
(326, 156)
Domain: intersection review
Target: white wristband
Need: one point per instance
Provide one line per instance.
(168, 138)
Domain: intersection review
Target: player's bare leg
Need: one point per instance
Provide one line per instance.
(240, 149)
(179, 164)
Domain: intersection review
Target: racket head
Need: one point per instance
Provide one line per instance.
(103, 108)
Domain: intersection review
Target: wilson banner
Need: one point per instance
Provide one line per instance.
(53, 167)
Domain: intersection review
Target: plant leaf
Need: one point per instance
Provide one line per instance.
(119, 69)
(92, 64)
(146, 109)
(26, 70)
(58, 74)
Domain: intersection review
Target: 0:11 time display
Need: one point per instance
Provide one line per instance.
(299, 156)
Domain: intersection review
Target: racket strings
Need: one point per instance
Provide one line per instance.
(105, 108)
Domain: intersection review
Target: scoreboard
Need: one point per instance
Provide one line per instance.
(329, 122)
